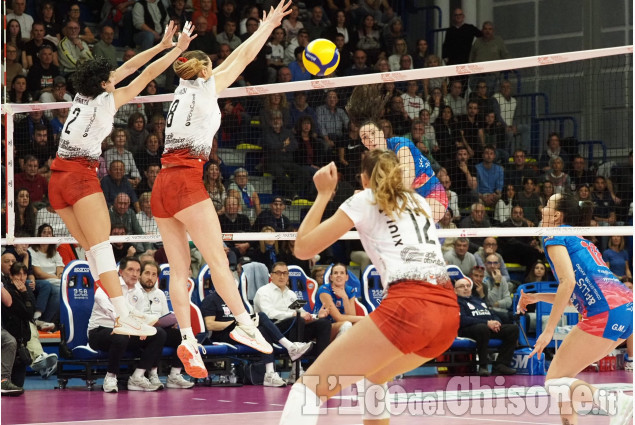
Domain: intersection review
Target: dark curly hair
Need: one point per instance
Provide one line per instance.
(366, 103)
(576, 213)
(89, 76)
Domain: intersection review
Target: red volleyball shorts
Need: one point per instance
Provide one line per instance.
(419, 318)
(72, 180)
(177, 188)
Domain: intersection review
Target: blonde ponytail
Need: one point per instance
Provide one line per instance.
(190, 64)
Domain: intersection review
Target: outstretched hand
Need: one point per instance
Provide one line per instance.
(186, 36)
(326, 179)
(524, 301)
(168, 36)
(276, 15)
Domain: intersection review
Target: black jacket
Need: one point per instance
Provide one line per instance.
(474, 311)
(16, 319)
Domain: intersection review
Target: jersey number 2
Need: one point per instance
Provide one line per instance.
(68, 126)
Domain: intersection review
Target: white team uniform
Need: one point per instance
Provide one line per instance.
(89, 123)
(404, 248)
(192, 121)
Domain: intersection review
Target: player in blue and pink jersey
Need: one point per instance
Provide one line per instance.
(606, 306)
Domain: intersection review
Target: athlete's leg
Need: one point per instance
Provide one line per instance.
(578, 350)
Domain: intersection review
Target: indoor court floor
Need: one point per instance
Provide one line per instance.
(466, 400)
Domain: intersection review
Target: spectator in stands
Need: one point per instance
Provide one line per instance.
(48, 215)
(57, 124)
(522, 250)
(25, 20)
(104, 47)
(580, 174)
(454, 98)
(584, 192)
(519, 170)
(47, 266)
(545, 192)
(447, 244)
(340, 25)
(266, 251)
(18, 92)
(273, 216)
(57, 93)
(315, 25)
(149, 177)
(421, 54)
(430, 84)
(460, 256)
(137, 132)
(155, 304)
(529, 200)
(391, 34)
(37, 41)
(274, 299)
(616, 257)
(558, 178)
(505, 112)
(206, 11)
(13, 68)
(350, 157)
(538, 273)
(121, 214)
(300, 108)
(144, 217)
(149, 18)
(479, 323)
(399, 49)
(448, 137)
(228, 11)
(213, 181)
(434, 103)
(360, 66)
(603, 205)
(40, 145)
(489, 47)
(118, 152)
(9, 348)
(121, 249)
(346, 56)
(42, 74)
(14, 38)
(220, 322)
(490, 246)
(115, 183)
(489, 177)
(463, 176)
(73, 15)
(311, 153)
(422, 140)
(72, 48)
(244, 191)
(398, 116)
(152, 108)
(458, 39)
(477, 218)
(29, 179)
(453, 199)
(275, 102)
(24, 212)
(368, 38)
(553, 150)
(479, 290)
(494, 134)
(47, 17)
(413, 103)
(229, 36)
(337, 299)
(486, 104)
(156, 125)
(498, 288)
(292, 24)
(473, 136)
(275, 57)
(147, 155)
(232, 221)
(302, 40)
(101, 337)
(621, 185)
(206, 39)
(332, 120)
(297, 68)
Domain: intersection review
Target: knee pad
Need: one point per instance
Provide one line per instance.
(104, 257)
(346, 326)
(92, 266)
(376, 401)
(560, 388)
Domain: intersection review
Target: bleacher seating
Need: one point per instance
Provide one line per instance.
(303, 286)
(372, 288)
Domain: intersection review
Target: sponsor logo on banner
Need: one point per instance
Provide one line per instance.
(469, 69)
(295, 274)
(548, 60)
(322, 84)
(228, 236)
(80, 294)
(390, 77)
(255, 91)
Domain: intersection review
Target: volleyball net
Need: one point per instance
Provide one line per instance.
(583, 98)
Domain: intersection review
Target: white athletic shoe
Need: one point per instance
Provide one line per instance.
(141, 384)
(624, 414)
(191, 358)
(154, 380)
(299, 349)
(44, 326)
(251, 336)
(110, 385)
(130, 325)
(148, 319)
(272, 379)
(178, 381)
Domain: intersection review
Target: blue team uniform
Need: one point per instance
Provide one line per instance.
(327, 289)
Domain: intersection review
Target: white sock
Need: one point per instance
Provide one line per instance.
(269, 367)
(110, 375)
(175, 371)
(285, 343)
(37, 315)
(138, 373)
(302, 407)
(186, 334)
(244, 318)
(121, 306)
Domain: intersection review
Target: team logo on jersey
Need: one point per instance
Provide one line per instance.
(470, 306)
(411, 254)
(156, 300)
(226, 311)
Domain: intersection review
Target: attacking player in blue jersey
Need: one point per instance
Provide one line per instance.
(606, 306)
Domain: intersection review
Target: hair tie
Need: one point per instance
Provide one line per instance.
(182, 59)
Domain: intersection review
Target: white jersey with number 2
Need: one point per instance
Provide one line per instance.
(89, 122)
(192, 121)
(404, 248)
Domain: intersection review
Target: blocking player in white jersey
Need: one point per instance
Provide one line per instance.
(418, 318)
(180, 202)
(74, 190)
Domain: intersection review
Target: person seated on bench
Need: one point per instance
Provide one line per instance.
(498, 289)
(100, 336)
(220, 321)
(481, 324)
(155, 303)
(338, 300)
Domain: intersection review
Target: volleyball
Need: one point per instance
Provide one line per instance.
(321, 57)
